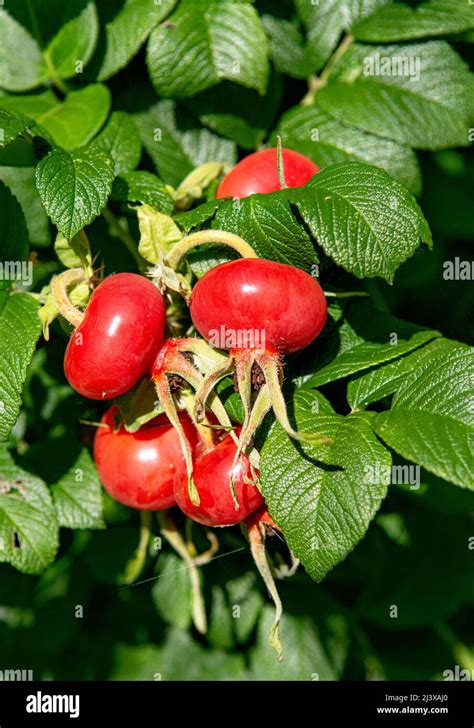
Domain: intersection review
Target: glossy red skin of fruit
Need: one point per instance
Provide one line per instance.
(258, 172)
(261, 516)
(138, 469)
(118, 340)
(285, 305)
(212, 472)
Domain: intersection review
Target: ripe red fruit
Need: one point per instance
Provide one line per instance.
(138, 469)
(117, 342)
(258, 310)
(212, 475)
(258, 172)
(284, 306)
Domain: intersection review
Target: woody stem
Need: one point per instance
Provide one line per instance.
(208, 236)
(172, 535)
(59, 286)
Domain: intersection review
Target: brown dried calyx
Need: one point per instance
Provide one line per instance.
(177, 383)
(258, 377)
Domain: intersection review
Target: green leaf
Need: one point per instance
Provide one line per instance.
(432, 421)
(143, 187)
(73, 44)
(369, 337)
(323, 510)
(325, 22)
(220, 632)
(70, 123)
(78, 495)
(13, 231)
(237, 113)
(74, 253)
(75, 121)
(204, 257)
(401, 22)
(20, 329)
(194, 186)
(121, 141)
(11, 126)
(304, 657)
(204, 42)
(421, 95)
(33, 105)
(139, 405)
(236, 605)
(21, 62)
(21, 182)
(178, 658)
(287, 47)
(28, 526)
(172, 591)
(363, 219)
(377, 383)
(45, 18)
(176, 145)
(131, 662)
(268, 224)
(384, 380)
(225, 388)
(183, 658)
(158, 233)
(199, 215)
(128, 30)
(325, 140)
(74, 187)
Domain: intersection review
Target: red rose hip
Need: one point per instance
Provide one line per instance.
(258, 172)
(284, 306)
(259, 310)
(212, 476)
(138, 469)
(117, 342)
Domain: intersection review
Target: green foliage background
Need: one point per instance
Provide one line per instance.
(161, 89)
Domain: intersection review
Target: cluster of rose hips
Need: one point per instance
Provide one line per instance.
(199, 460)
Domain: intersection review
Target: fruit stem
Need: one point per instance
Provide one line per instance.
(59, 287)
(126, 238)
(344, 45)
(256, 534)
(281, 165)
(315, 82)
(208, 236)
(57, 80)
(135, 566)
(207, 556)
(174, 538)
(345, 294)
(284, 571)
